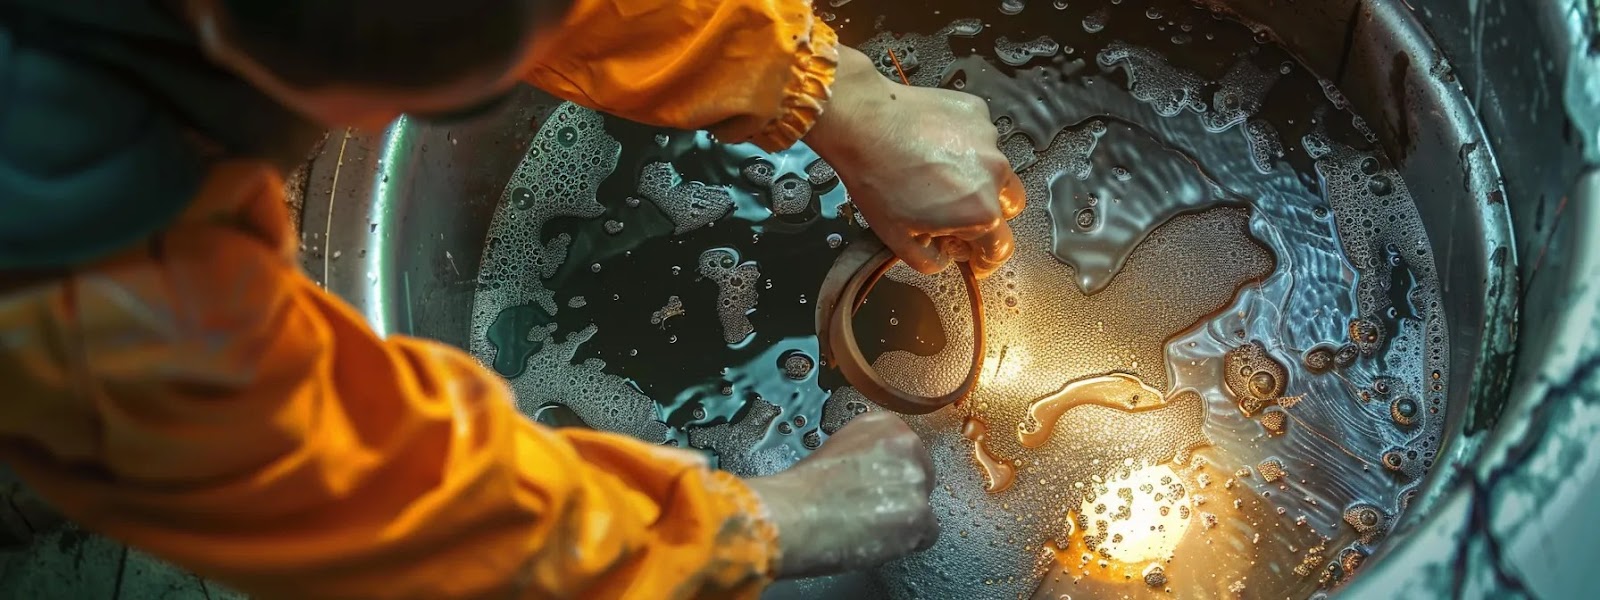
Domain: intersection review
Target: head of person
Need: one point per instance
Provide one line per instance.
(364, 62)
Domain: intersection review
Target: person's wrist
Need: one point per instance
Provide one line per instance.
(777, 494)
(858, 90)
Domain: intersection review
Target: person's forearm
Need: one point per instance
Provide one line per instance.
(860, 500)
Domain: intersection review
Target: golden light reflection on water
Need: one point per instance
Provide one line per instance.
(1074, 409)
(1005, 365)
(1119, 391)
(1136, 517)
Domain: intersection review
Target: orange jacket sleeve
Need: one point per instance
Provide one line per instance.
(748, 70)
(201, 399)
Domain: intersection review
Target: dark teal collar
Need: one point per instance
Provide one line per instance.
(109, 119)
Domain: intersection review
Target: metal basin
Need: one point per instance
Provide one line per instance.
(1490, 110)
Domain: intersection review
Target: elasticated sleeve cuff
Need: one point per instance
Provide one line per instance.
(747, 70)
(807, 93)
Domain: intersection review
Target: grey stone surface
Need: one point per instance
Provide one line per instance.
(68, 563)
(145, 577)
(72, 563)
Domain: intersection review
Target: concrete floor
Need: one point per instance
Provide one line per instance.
(71, 563)
(43, 557)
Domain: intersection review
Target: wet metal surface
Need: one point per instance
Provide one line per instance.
(1507, 517)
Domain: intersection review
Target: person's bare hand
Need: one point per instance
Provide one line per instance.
(858, 501)
(923, 167)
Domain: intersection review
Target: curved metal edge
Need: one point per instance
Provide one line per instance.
(847, 284)
(1531, 494)
(343, 199)
(1398, 78)
(394, 220)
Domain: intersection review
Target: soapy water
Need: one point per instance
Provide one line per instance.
(1215, 363)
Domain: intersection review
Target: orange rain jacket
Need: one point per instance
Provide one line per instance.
(198, 397)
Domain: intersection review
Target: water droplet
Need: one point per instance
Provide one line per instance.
(1262, 384)
(812, 440)
(1381, 385)
(594, 268)
(1394, 460)
(1086, 218)
(1367, 335)
(796, 365)
(1096, 22)
(1380, 185)
(1320, 358)
(1369, 166)
(1346, 355)
(835, 240)
(1404, 411)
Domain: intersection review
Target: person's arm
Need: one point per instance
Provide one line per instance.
(922, 164)
(201, 399)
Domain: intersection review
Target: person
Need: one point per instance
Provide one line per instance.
(176, 383)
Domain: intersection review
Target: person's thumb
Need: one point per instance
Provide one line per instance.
(1013, 195)
(987, 252)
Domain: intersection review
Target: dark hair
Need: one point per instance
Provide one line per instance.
(390, 43)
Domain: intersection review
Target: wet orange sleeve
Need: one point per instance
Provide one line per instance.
(748, 70)
(200, 398)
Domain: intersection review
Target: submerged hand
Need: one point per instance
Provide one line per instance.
(858, 501)
(922, 165)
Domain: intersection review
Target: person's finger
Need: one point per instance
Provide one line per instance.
(918, 252)
(1013, 197)
(991, 250)
(954, 248)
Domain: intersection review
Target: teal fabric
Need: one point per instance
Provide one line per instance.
(109, 118)
(87, 165)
